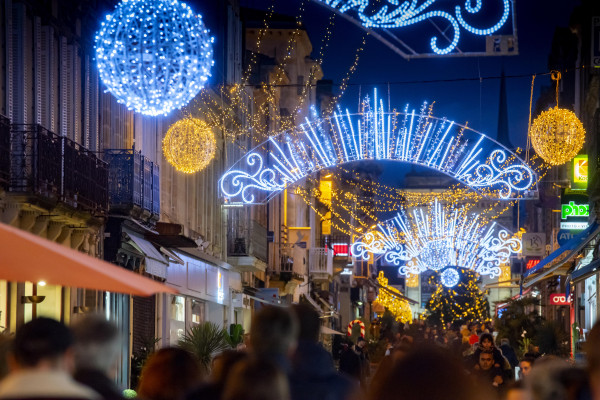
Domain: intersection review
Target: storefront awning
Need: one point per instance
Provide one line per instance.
(585, 272)
(156, 264)
(25, 257)
(328, 331)
(560, 257)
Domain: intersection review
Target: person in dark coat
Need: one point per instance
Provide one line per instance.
(350, 363)
(509, 353)
(313, 372)
(97, 348)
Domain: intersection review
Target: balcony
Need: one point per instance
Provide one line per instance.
(54, 169)
(133, 183)
(4, 152)
(320, 264)
(248, 241)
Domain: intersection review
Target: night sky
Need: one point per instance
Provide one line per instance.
(461, 101)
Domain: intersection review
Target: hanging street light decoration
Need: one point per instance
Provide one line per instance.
(557, 135)
(189, 145)
(394, 14)
(440, 240)
(392, 299)
(154, 56)
(414, 137)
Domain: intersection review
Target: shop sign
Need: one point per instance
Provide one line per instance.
(534, 244)
(560, 299)
(563, 236)
(580, 172)
(532, 262)
(574, 211)
(220, 291)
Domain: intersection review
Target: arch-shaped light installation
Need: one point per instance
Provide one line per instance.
(441, 240)
(389, 14)
(411, 137)
(154, 56)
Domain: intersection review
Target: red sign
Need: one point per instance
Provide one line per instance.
(560, 299)
(532, 263)
(340, 249)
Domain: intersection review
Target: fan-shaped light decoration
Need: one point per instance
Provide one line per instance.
(438, 237)
(557, 135)
(153, 55)
(189, 145)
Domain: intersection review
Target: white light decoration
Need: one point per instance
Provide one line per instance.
(389, 14)
(449, 277)
(438, 238)
(376, 134)
(154, 56)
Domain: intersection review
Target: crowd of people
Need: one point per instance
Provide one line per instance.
(285, 361)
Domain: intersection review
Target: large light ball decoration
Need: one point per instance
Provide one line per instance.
(450, 277)
(154, 56)
(557, 135)
(189, 145)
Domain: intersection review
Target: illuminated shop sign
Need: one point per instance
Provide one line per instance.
(560, 299)
(580, 172)
(574, 211)
(220, 292)
(532, 263)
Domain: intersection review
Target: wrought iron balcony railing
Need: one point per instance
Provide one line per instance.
(56, 169)
(248, 241)
(4, 151)
(133, 181)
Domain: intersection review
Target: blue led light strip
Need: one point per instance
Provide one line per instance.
(409, 137)
(438, 238)
(372, 14)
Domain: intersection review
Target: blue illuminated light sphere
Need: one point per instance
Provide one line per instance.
(449, 277)
(154, 56)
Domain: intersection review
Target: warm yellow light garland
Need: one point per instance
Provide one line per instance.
(189, 145)
(557, 135)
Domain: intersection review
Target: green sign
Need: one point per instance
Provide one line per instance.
(580, 172)
(574, 210)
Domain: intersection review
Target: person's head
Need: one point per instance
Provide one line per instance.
(516, 391)
(169, 374)
(256, 379)
(309, 322)
(5, 346)
(592, 347)
(445, 378)
(97, 344)
(525, 365)
(274, 331)
(556, 379)
(224, 363)
(360, 343)
(486, 341)
(504, 342)
(486, 360)
(43, 343)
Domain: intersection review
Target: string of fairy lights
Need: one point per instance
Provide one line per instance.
(248, 113)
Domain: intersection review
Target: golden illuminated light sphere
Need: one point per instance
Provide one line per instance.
(189, 145)
(557, 135)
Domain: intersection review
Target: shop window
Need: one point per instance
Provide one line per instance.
(197, 312)
(177, 322)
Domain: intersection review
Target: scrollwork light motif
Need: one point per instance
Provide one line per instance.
(411, 136)
(399, 15)
(439, 238)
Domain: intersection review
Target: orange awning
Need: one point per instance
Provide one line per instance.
(25, 257)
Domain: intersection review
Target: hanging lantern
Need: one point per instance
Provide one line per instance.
(154, 56)
(557, 135)
(189, 145)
